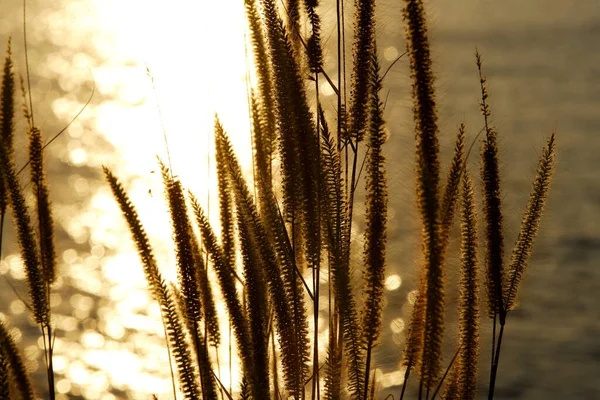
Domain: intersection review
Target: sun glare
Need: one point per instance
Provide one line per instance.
(161, 71)
(173, 67)
(181, 63)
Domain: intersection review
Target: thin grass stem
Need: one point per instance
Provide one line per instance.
(495, 362)
(406, 376)
(50, 365)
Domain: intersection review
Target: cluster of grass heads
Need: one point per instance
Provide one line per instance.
(288, 238)
(36, 241)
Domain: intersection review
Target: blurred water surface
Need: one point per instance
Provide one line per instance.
(171, 67)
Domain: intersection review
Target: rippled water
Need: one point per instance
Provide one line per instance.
(542, 61)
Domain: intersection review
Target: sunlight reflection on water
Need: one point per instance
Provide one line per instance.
(151, 69)
(157, 78)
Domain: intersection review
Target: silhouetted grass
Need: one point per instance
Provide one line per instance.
(297, 229)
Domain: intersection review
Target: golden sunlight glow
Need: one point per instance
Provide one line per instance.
(159, 69)
(167, 76)
(177, 77)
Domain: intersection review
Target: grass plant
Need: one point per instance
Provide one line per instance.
(292, 229)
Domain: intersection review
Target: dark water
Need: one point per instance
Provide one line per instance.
(542, 60)
(542, 63)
